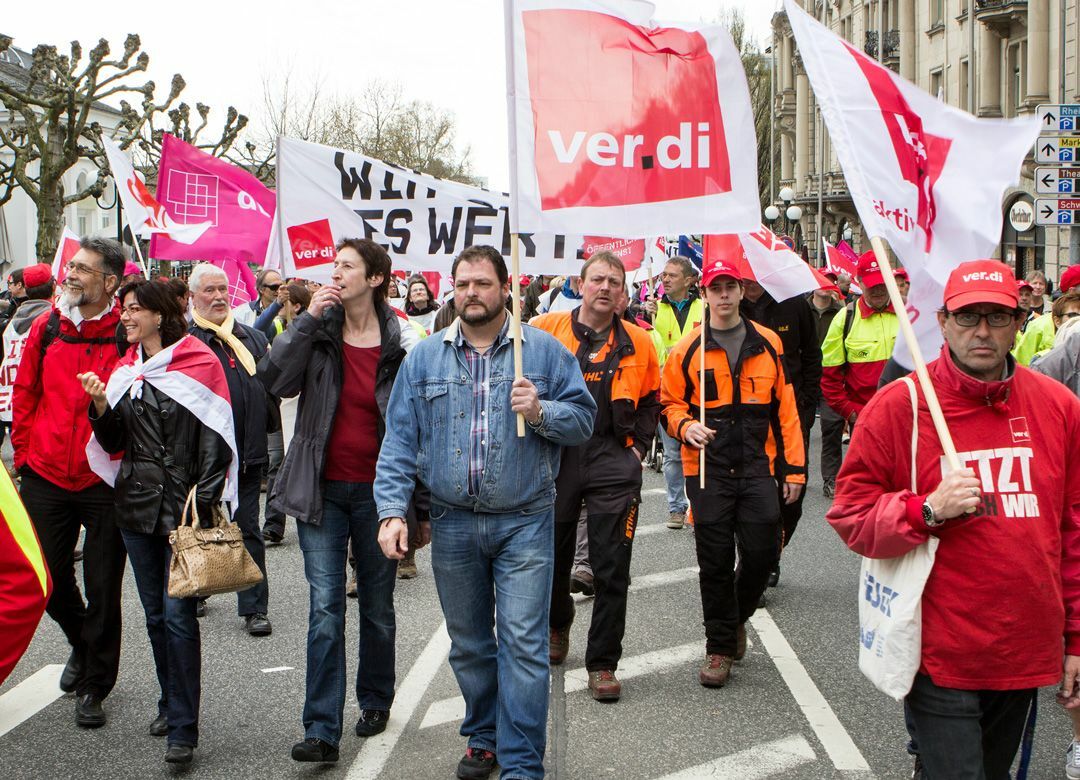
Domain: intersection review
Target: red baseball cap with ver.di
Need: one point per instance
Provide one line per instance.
(34, 275)
(719, 268)
(981, 281)
(1022, 283)
(1070, 278)
(870, 275)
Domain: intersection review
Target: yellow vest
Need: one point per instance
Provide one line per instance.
(666, 323)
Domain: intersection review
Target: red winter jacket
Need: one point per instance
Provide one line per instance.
(50, 426)
(1005, 586)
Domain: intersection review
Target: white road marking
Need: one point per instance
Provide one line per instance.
(652, 581)
(273, 669)
(654, 492)
(30, 697)
(376, 750)
(834, 738)
(453, 709)
(768, 759)
(649, 530)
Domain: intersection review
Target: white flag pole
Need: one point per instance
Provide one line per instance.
(515, 327)
(940, 425)
(701, 383)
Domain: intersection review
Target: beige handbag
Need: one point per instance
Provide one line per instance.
(206, 561)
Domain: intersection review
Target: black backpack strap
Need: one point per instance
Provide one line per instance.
(52, 333)
(849, 318)
(52, 330)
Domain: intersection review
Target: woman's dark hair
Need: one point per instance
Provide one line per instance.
(159, 298)
(376, 262)
(298, 293)
(410, 307)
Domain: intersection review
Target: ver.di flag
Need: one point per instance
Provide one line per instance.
(145, 216)
(622, 127)
(926, 177)
(67, 248)
(763, 257)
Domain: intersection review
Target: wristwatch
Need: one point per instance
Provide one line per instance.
(539, 420)
(928, 516)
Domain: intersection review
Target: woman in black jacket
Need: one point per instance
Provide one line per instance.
(166, 449)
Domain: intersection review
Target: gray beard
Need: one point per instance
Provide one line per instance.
(70, 299)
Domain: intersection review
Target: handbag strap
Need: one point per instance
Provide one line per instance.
(189, 504)
(914, 429)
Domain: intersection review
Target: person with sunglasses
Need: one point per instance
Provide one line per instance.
(1000, 606)
(267, 283)
(61, 493)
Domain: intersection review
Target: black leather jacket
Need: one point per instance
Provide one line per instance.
(166, 451)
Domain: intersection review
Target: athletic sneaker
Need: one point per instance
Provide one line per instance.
(476, 764)
(676, 520)
(1072, 761)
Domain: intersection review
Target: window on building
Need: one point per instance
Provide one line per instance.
(965, 84)
(936, 82)
(937, 12)
(1014, 85)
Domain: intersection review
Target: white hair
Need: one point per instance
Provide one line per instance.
(202, 270)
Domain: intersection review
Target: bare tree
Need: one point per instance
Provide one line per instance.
(50, 125)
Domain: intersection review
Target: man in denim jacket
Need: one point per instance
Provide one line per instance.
(452, 423)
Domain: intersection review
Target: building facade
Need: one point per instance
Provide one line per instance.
(1014, 56)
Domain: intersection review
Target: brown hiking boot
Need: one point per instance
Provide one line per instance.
(715, 671)
(558, 645)
(604, 685)
(676, 520)
(740, 642)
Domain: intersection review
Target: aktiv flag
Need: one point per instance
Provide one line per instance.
(25, 584)
(762, 256)
(623, 127)
(926, 177)
(145, 216)
(195, 187)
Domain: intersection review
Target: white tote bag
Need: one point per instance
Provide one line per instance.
(890, 603)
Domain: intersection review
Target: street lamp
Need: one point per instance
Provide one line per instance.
(792, 213)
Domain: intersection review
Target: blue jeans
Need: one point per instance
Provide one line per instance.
(673, 476)
(348, 514)
(174, 635)
(493, 571)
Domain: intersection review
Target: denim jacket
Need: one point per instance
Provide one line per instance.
(430, 413)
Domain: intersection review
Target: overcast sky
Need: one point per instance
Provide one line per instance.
(449, 53)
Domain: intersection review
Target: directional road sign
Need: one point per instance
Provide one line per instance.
(1057, 181)
(1057, 149)
(1057, 211)
(1059, 117)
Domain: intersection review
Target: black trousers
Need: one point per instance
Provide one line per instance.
(966, 735)
(92, 628)
(253, 600)
(730, 512)
(273, 520)
(611, 542)
(832, 437)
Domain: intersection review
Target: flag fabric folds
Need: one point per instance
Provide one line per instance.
(762, 256)
(623, 127)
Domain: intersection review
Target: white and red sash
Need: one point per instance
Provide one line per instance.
(190, 374)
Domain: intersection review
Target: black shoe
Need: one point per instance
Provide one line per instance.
(159, 727)
(829, 489)
(763, 601)
(73, 670)
(372, 722)
(258, 625)
(88, 711)
(179, 754)
(312, 749)
(476, 764)
(200, 608)
(774, 576)
(272, 537)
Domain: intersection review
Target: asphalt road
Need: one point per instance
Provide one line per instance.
(797, 706)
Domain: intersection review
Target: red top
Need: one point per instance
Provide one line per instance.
(1005, 587)
(354, 442)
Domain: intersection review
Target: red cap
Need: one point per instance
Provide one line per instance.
(981, 281)
(829, 273)
(719, 268)
(34, 275)
(1070, 278)
(1022, 283)
(870, 274)
(132, 268)
(900, 273)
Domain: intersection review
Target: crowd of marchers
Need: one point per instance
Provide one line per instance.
(412, 427)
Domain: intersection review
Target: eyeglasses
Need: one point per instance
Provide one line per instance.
(272, 287)
(79, 268)
(1069, 315)
(995, 319)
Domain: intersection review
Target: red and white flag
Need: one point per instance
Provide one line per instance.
(145, 216)
(67, 248)
(837, 262)
(926, 177)
(623, 127)
(189, 373)
(765, 258)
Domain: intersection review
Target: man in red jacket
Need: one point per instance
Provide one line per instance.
(1003, 598)
(50, 430)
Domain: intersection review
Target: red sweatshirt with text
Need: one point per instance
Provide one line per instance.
(1005, 587)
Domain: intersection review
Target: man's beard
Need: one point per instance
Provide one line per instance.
(489, 315)
(69, 298)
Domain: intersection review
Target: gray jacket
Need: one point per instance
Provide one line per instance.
(306, 359)
(1063, 361)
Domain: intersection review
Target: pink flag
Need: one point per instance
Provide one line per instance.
(837, 261)
(65, 250)
(630, 250)
(196, 187)
(765, 258)
(242, 285)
